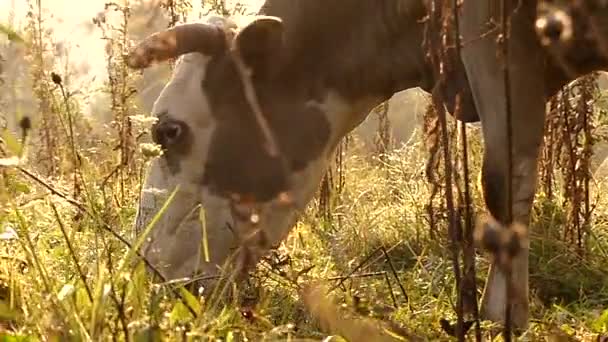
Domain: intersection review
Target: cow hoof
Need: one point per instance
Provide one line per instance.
(450, 328)
(495, 300)
(519, 319)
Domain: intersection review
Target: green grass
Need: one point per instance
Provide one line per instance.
(43, 295)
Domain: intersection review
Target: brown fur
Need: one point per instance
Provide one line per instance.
(376, 57)
(379, 55)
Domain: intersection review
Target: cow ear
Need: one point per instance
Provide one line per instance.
(259, 44)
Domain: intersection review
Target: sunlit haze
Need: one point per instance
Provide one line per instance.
(73, 32)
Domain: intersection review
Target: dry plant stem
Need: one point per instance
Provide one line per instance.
(66, 100)
(340, 166)
(587, 153)
(81, 274)
(439, 58)
(551, 147)
(49, 132)
(359, 266)
(120, 91)
(332, 187)
(81, 208)
(504, 46)
(432, 165)
(390, 288)
(292, 283)
(576, 177)
(382, 140)
(29, 248)
(468, 247)
(78, 178)
(571, 172)
(120, 305)
(325, 192)
(394, 272)
(452, 224)
(52, 189)
(360, 275)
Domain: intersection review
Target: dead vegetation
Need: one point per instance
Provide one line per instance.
(375, 240)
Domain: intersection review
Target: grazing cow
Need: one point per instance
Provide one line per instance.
(252, 115)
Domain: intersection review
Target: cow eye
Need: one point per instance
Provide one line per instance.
(168, 132)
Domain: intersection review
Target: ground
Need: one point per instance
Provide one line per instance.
(381, 205)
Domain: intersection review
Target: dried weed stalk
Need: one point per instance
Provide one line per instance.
(382, 138)
(332, 185)
(568, 148)
(442, 42)
(37, 56)
(120, 87)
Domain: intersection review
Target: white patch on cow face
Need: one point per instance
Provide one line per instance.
(175, 250)
(174, 245)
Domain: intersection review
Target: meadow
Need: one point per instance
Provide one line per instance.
(70, 184)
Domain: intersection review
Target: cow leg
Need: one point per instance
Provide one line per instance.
(485, 73)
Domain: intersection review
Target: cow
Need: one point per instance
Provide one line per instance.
(253, 113)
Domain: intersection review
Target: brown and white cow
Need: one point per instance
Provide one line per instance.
(313, 70)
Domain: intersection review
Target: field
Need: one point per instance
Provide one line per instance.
(68, 198)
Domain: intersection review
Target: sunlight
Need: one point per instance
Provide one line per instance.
(74, 33)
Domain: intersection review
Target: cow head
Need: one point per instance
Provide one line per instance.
(575, 33)
(245, 151)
